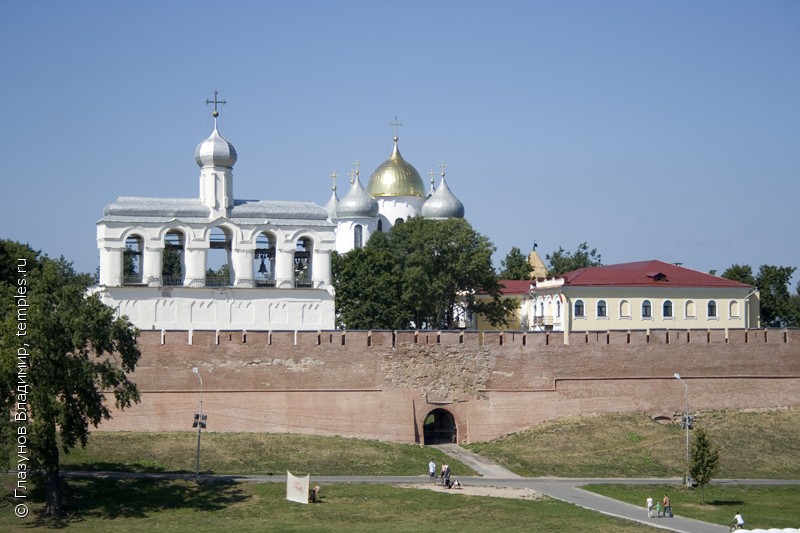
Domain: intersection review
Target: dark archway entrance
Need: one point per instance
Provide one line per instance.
(440, 427)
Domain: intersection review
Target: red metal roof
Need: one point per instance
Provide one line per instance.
(652, 273)
(516, 286)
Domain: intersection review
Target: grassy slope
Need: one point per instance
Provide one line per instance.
(753, 444)
(253, 453)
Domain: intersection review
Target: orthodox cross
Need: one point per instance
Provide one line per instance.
(442, 166)
(352, 174)
(395, 124)
(215, 102)
(431, 173)
(334, 175)
(357, 166)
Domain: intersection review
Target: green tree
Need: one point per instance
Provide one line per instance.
(74, 351)
(773, 287)
(705, 461)
(368, 288)
(779, 308)
(171, 263)
(419, 274)
(740, 273)
(562, 261)
(515, 265)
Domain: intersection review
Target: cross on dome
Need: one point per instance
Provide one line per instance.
(395, 124)
(215, 102)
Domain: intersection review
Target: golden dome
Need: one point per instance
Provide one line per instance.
(395, 177)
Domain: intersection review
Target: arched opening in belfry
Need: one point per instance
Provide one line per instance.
(132, 260)
(172, 259)
(302, 262)
(264, 260)
(440, 427)
(219, 272)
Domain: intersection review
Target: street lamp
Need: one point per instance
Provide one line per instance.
(686, 420)
(199, 422)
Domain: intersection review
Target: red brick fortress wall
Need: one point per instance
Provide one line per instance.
(382, 384)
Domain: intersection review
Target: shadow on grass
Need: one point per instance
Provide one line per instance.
(725, 503)
(135, 468)
(108, 498)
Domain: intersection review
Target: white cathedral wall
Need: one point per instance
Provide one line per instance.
(402, 207)
(184, 308)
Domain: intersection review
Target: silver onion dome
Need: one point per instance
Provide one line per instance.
(215, 151)
(442, 204)
(357, 203)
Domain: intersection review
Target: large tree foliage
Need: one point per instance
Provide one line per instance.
(561, 261)
(740, 273)
(705, 461)
(418, 275)
(779, 308)
(74, 351)
(368, 287)
(515, 265)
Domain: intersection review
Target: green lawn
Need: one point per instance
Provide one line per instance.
(761, 506)
(145, 505)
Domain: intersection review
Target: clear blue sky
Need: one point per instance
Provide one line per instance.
(650, 130)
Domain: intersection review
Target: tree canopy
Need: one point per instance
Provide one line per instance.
(561, 261)
(59, 359)
(779, 308)
(418, 275)
(515, 265)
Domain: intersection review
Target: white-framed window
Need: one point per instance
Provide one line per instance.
(647, 309)
(667, 309)
(602, 311)
(579, 311)
(712, 309)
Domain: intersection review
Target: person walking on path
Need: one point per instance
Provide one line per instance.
(649, 506)
(432, 470)
(667, 506)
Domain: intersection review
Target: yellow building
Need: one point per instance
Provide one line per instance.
(632, 296)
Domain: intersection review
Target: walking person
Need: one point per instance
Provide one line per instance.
(667, 506)
(649, 506)
(432, 470)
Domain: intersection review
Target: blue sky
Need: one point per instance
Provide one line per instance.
(650, 130)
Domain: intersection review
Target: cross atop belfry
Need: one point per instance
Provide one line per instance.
(215, 102)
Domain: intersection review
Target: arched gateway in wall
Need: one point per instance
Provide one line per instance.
(440, 427)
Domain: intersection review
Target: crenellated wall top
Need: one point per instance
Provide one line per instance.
(386, 338)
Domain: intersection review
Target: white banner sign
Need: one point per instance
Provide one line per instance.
(297, 488)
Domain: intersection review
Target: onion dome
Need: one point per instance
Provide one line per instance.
(357, 203)
(215, 151)
(396, 177)
(332, 204)
(442, 203)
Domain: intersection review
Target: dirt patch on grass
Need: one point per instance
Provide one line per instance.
(473, 490)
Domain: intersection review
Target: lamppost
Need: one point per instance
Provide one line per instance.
(686, 420)
(199, 423)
